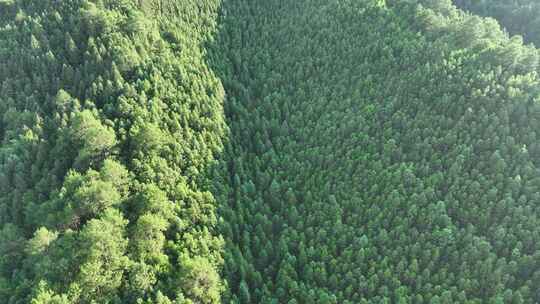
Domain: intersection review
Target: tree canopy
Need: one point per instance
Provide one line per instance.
(231, 151)
(518, 17)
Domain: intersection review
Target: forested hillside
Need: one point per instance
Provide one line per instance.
(109, 121)
(379, 154)
(519, 17)
(232, 151)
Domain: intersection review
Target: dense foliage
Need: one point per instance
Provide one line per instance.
(379, 154)
(110, 117)
(307, 151)
(519, 17)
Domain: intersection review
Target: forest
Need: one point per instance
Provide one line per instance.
(518, 17)
(295, 152)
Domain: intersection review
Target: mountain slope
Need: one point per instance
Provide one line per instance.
(309, 151)
(110, 117)
(519, 17)
(380, 153)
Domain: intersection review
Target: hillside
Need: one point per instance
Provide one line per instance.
(201, 152)
(518, 17)
(393, 156)
(109, 121)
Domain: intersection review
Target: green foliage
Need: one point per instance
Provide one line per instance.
(95, 140)
(321, 152)
(378, 154)
(45, 296)
(103, 260)
(41, 240)
(108, 128)
(518, 17)
(199, 280)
